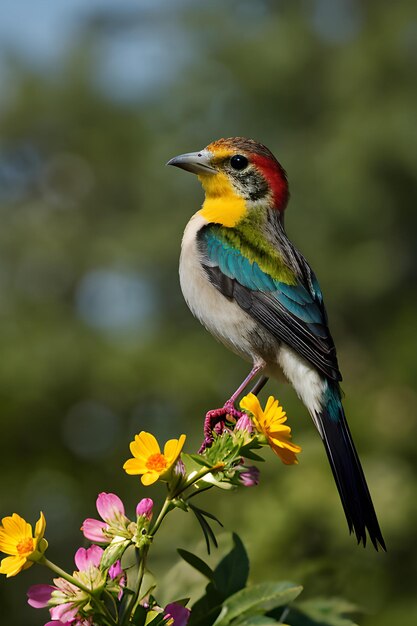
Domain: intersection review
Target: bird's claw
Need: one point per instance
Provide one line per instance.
(214, 422)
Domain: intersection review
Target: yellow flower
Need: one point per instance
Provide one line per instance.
(148, 459)
(16, 539)
(271, 423)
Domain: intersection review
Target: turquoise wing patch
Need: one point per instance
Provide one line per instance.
(296, 299)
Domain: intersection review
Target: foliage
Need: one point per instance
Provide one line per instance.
(106, 591)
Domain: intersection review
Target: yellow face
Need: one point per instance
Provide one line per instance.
(223, 204)
(237, 175)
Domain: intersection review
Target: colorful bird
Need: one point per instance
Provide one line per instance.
(250, 287)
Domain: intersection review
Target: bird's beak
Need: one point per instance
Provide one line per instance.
(195, 162)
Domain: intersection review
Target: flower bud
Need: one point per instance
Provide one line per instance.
(114, 551)
(144, 508)
(250, 476)
(244, 423)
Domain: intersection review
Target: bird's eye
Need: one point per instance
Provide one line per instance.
(238, 162)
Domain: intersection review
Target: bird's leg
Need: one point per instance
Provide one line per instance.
(215, 416)
(259, 385)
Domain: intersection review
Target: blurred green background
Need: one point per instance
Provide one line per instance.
(96, 341)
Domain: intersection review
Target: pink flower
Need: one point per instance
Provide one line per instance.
(39, 595)
(244, 423)
(64, 599)
(250, 476)
(87, 558)
(109, 507)
(94, 530)
(111, 510)
(179, 613)
(116, 570)
(117, 574)
(144, 508)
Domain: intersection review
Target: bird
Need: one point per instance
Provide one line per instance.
(251, 288)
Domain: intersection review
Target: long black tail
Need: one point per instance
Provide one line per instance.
(347, 470)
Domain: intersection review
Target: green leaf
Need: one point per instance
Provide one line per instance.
(252, 456)
(322, 612)
(139, 616)
(229, 576)
(209, 535)
(196, 563)
(197, 458)
(256, 620)
(205, 526)
(209, 515)
(159, 619)
(205, 611)
(232, 572)
(257, 599)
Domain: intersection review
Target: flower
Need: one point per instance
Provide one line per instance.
(118, 577)
(244, 423)
(17, 539)
(249, 477)
(111, 510)
(271, 423)
(148, 459)
(144, 508)
(68, 603)
(177, 614)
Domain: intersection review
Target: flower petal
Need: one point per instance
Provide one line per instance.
(8, 544)
(180, 614)
(251, 403)
(134, 466)
(93, 530)
(271, 404)
(15, 526)
(109, 506)
(173, 448)
(40, 526)
(116, 570)
(85, 558)
(287, 456)
(12, 565)
(144, 508)
(144, 445)
(39, 595)
(149, 478)
(65, 612)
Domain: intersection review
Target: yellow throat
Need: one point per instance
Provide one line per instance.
(222, 204)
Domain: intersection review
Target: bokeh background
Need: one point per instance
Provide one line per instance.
(96, 341)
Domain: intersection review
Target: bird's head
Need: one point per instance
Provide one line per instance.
(238, 175)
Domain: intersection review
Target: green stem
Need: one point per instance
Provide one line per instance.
(163, 512)
(114, 604)
(141, 573)
(63, 574)
(101, 608)
(197, 477)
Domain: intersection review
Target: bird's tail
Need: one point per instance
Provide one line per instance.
(346, 468)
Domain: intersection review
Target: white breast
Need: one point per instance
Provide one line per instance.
(223, 318)
(234, 328)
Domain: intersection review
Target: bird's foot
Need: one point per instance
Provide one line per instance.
(215, 421)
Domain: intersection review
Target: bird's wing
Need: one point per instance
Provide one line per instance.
(288, 304)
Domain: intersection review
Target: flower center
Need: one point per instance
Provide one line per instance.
(25, 546)
(156, 462)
